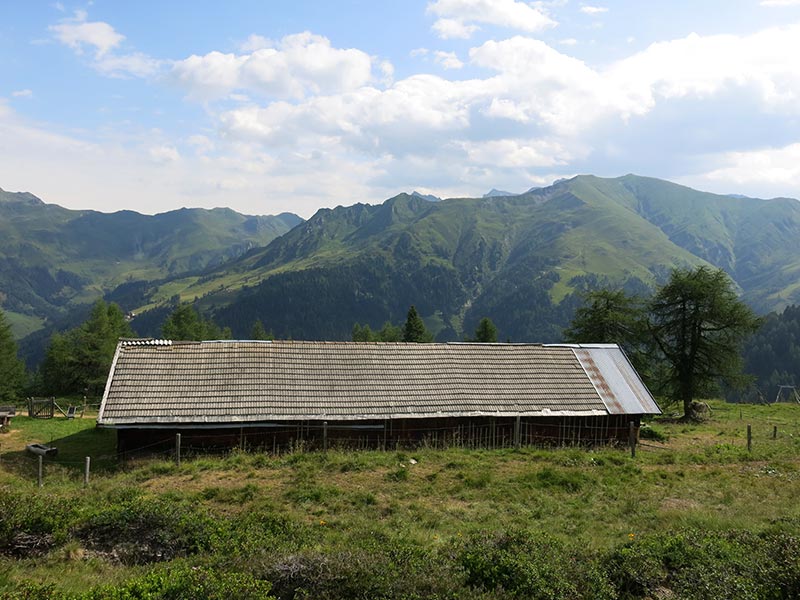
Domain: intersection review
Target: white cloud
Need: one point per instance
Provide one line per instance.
(593, 10)
(418, 52)
(78, 33)
(164, 154)
(448, 60)
(568, 42)
(766, 168)
(460, 18)
(701, 66)
(255, 42)
(448, 29)
(201, 143)
(299, 65)
(517, 154)
(22, 93)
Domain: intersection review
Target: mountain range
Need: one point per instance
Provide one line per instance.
(53, 259)
(522, 260)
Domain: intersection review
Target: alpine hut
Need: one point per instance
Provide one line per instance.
(279, 394)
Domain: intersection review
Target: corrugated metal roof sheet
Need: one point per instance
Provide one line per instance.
(161, 382)
(615, 379)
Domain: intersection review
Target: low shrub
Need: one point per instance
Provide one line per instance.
(185, 583)
(531, 565)
(31, 524)
(698, 564)
(145, 532)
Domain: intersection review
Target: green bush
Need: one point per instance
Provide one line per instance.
(31, 524)
(185, 583)
(696, 564)
(530, 565)
(651, 432)
(392, 572)
(138, 532)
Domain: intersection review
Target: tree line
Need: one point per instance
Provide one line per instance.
(684, 340)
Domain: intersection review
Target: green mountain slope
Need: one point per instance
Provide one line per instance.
(519, 259)
(52, 258)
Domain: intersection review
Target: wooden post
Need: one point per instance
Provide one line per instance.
(324, 436)
(178, 449)
(40, 470)
(86, 471)
(749, 439)
(516, 432)
(632, 438)
(774, 432)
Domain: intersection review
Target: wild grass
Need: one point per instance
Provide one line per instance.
(695, 477)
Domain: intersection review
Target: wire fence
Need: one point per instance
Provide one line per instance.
(280, 440)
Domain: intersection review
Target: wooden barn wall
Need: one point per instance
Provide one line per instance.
(465, 432)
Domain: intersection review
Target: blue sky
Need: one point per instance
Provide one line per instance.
(290, 106)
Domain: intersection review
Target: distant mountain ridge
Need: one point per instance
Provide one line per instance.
(53, 258)
(522, 260)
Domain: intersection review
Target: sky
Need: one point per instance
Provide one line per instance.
(266, 106)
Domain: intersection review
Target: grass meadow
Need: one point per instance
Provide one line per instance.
(693, 515)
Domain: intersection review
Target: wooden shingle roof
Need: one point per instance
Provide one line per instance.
(160, 382)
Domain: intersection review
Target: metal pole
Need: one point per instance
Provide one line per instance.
(632, 438)
(40, 470)
(178, 449)
(86, 472)
(324, 436)
(516, 432)
(749, 439)
(774, 432)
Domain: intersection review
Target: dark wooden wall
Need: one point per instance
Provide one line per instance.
(446, 432)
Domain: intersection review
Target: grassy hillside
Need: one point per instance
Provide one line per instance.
(520, 260)
(694, 515)
(52, 258)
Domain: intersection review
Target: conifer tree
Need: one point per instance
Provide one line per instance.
(414, 329)
(486, 332)
(185, 323)
(259, 333)
(77, 362)
(12, 371)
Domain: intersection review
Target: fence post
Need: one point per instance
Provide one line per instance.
(178, 449)
(632, 438)
(749, 439)
(86, 472)
(774, 432)
(516, 433)
(40, 470)
(324, 436)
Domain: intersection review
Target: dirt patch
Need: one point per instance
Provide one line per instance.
(678, 504)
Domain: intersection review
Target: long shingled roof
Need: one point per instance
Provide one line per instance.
(160, 382)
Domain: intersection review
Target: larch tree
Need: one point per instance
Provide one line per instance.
(699, 325)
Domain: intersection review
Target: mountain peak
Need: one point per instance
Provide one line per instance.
(495, 193)
(428, 197)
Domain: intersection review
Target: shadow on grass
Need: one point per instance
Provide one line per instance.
(98, 444)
